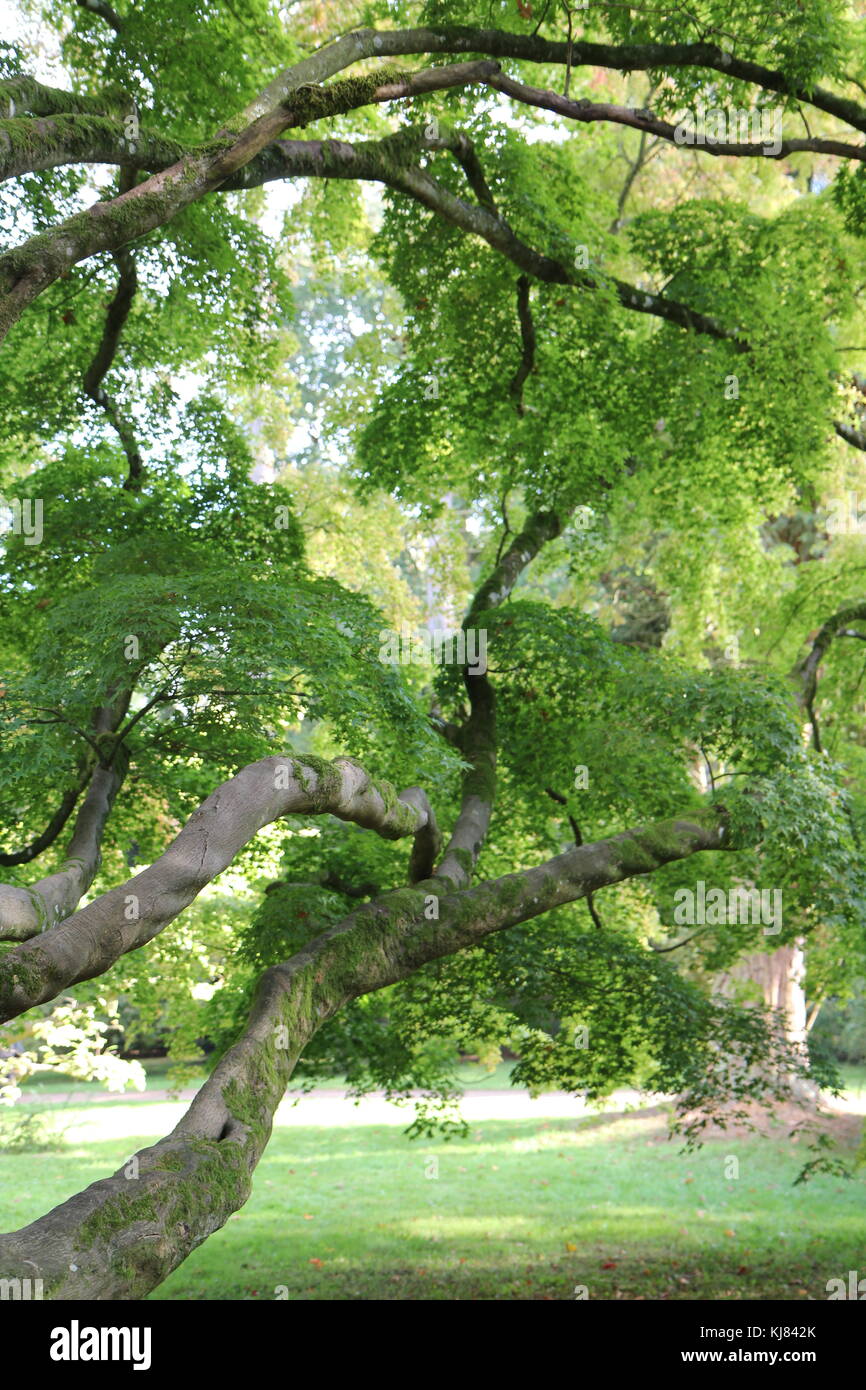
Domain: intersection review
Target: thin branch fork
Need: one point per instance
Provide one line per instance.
(639, 118)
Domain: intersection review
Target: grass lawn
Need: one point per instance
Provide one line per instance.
(346, 1207)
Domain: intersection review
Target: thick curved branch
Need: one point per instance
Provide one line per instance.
(296, 98)
(30, 268)
(122, 1236)
(646, 57)
(88, 942)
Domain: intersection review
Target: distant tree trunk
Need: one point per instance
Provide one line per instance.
(779, 976)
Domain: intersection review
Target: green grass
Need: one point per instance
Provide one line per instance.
(854, 1079)
(346, 1210)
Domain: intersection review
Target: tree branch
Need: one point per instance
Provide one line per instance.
(478, 740)
(23, 93)
(578, 840)
(638, 118)
(378, 161)
(647, 57)
(92, 939)
(122, 1236)
(30, 268)
(118, 312)
(527, 339)
(805, 673)
(105, 11)
(53, 829)
(30, 912)
(29, 144)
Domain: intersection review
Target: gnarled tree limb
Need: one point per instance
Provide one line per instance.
(123, 1235)
(92, 939)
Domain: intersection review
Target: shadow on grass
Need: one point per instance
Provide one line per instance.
(527, 1208)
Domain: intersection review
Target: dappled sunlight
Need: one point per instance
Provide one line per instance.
(466, 1227)
(613, 1128)
(518, 1208)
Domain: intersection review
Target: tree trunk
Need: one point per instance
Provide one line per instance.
(779, 975)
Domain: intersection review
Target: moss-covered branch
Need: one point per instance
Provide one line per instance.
(32, 143)
(88, 942)
(28, 269)
(123, 1235)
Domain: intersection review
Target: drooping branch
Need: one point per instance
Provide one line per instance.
(118, 312)
(105, 11)
(102, 227)
(805, 673)
(374, 160)
(26, 913)
(527, 343)
(639, 118)
(578, 840)
(379, 161)
(477, 740)
(92, 939)
(123, 1235)
(53, 829)
(467, 157)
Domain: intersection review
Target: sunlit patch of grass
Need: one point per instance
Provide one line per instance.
(521, 1209)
